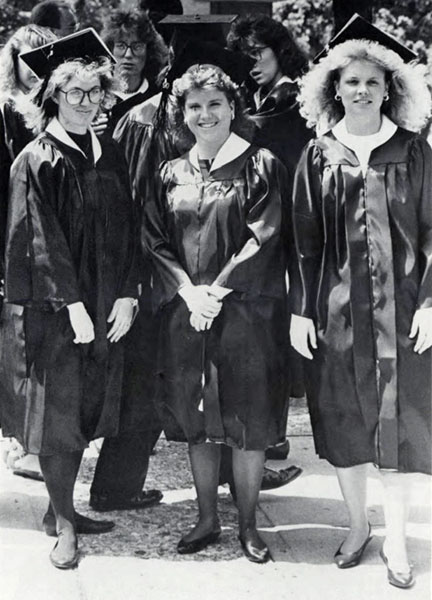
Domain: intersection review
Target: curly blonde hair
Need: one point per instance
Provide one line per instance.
(38, 108)
(409, 104)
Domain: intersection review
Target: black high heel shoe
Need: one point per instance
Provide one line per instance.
(351, 559)
(400, 580)
(185, 547)
(252, 553)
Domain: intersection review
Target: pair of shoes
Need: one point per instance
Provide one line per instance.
(396, 578)
(28, 474)
(184, 547)
(67, 560)
(252, 553)
(102, 503)
(82, 524)
(351, 559)
(274, 479)
(278, 452)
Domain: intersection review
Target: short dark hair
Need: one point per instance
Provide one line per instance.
(49, 13)
(137, 21)
(292, 60)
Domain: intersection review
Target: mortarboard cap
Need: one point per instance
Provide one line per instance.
(359, 28)
(200, 28)
(235, 64)
(84, 44)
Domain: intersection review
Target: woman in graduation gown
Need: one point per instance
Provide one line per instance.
(363, 298)
(70, 282)
(214, 234)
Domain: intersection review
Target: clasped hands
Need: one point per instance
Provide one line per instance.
(203, 305)
(303, 333)
(82, 325)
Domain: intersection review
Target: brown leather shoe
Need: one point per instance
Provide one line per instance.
(274, 479)
(146, 499)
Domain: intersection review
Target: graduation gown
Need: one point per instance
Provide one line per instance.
(364, 246)
(71, 237)
(227, 384)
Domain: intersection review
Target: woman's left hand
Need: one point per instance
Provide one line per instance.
(422, 328)
(199, 322)
(121, 314)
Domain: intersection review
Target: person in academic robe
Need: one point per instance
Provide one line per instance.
(70, 278)
(362, 297)
(213, 231)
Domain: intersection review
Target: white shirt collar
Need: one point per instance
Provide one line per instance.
(141, 90)
(387, 130)
(56, 129)
(229, 151)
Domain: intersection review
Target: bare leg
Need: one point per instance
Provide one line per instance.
(248, 468)
(353, 481)
(60, 472)
(396, 500)
(205, 459)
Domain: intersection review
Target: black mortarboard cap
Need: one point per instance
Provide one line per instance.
(200, 28)
(84, 44)
(359, 28)
(235, 64)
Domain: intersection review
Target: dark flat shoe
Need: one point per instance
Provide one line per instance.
(275, 479)
(184, 547)
(400, 580)
(351, 559)
(83, 525)
(67, 561)
(252, 553)
(142, 500)
(28, 474)
(279, 452)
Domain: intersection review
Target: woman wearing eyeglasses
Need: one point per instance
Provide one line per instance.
(140, 53)
(70, 285)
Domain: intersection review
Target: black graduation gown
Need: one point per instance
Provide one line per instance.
(227, 384)
(364, 247)
(71, 237)
(14, 136)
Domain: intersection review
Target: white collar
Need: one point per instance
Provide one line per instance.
(229, 151)
(386, 131)
(257, 98)
(56, 129)
(141, 90)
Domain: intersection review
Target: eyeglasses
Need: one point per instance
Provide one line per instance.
(137, 48)
(255, 52)
(76, 95)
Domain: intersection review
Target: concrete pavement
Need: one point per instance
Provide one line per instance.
(303, 523)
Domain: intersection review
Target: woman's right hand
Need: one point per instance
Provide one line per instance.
(200, 302)
(303, 334)
(81, 323)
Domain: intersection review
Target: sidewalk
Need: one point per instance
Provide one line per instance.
(303, 523)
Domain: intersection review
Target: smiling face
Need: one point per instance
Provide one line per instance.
(77, 118)
(362, 88)
(208, 114)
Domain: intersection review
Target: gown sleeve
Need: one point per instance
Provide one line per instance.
(259, 265)
(168, 273)
(5, 165)
(39, 269)
(420, 173)
(308, 233)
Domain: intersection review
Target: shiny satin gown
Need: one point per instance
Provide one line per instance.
(365, 265)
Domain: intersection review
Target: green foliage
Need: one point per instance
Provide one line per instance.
(11, 17)
(91, 12)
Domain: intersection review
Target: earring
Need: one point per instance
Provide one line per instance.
(337, 97)
(386, 97)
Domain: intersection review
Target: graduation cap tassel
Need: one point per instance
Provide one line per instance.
(40, 95)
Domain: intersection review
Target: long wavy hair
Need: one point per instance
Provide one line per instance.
(26, 36)
(202, 77)
(39, 107)
(409, 104)
(266, 31)
(135, 21)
